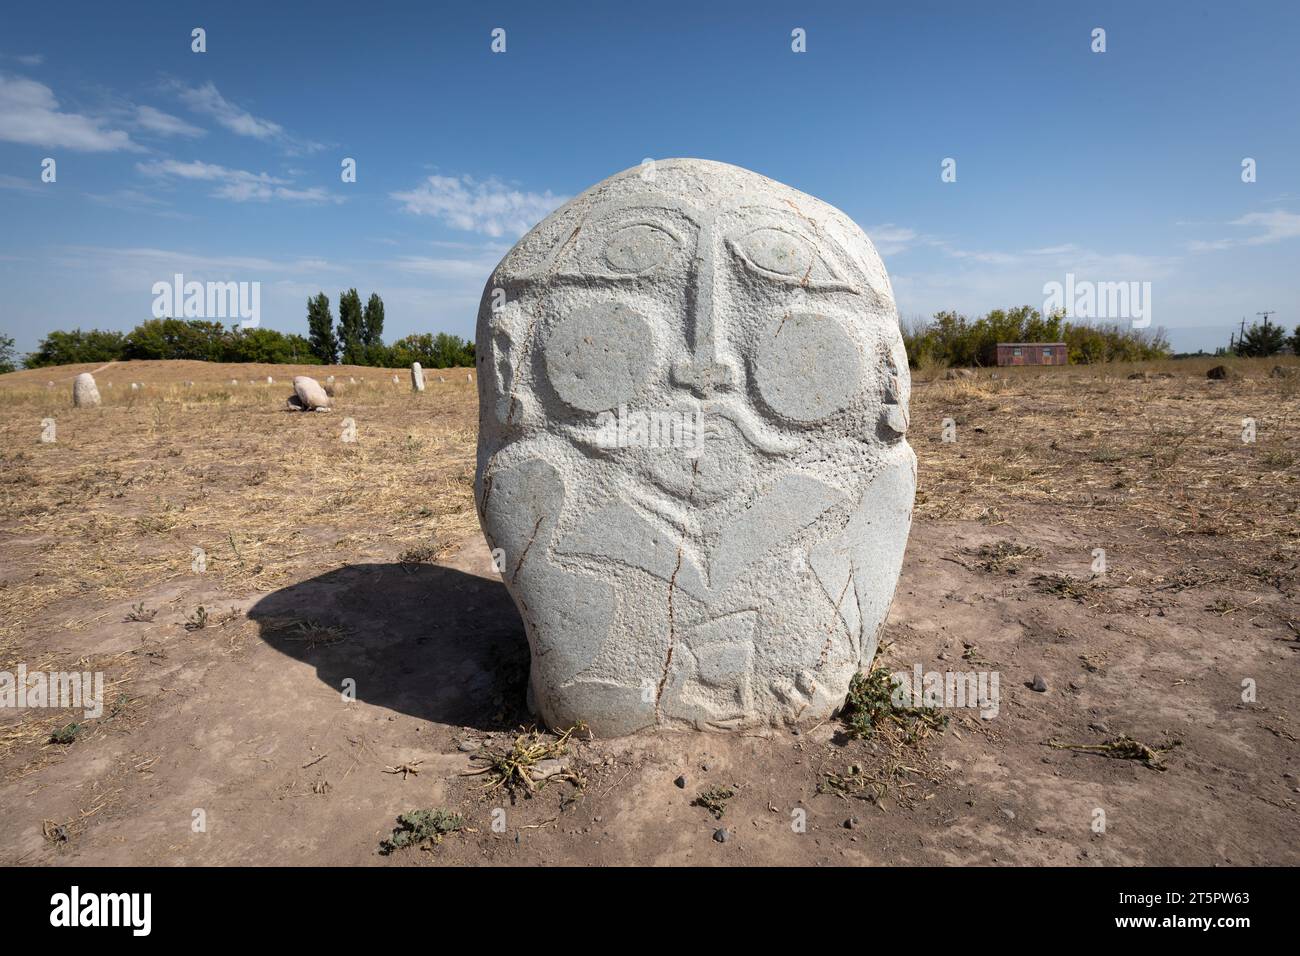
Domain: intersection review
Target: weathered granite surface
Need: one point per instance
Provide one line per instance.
(693, 399)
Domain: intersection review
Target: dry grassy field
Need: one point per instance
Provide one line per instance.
(1171, 701)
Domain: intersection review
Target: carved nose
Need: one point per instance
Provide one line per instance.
(706, 371)
(707, 377)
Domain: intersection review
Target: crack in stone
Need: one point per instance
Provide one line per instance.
(839, 615)
(531, 539)
(672, 624)
(672, 639)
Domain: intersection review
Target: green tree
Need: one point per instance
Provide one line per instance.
(1261, 340)
(8, 358)
(68, 348)
(176, 339)
(372, 330)
(269, 346)
(351, 328)
(1295, 341)
(320, 330)
(432, 351)
(953, 339)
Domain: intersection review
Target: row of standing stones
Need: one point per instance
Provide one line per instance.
(308, 394)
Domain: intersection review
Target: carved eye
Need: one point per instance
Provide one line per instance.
(808, 367)
(599, 356)
(789, 258)
(772, 250)
(639, 248)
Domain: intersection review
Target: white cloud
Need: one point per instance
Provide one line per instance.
(489, 207)
(207, 99)
(133, 200)
(459, 269)
(164, 124)
(239, 185)
(1276, 226)
(29, 113)
(139, 267)
(31, 59)
(890, 239)
(18, 184)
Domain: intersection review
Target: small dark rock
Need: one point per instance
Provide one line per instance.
(681, 782)
(721, 835)
(1038, 684)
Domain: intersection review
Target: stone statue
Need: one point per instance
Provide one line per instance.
(691, 462)
(84, 392)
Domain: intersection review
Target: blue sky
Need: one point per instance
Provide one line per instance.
(1115, 166)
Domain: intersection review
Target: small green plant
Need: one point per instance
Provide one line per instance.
(420, 826)
(65, 735)
(870, 707)
(140, 613)
(714, 800)
(198, 620)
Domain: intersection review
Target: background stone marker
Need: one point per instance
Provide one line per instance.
(84, 392)
(691, 450)
(310, 395)
(417, 377)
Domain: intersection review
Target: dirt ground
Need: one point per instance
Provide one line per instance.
(327, 565)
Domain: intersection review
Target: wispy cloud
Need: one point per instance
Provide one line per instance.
(164, 124)
(890, 239)
(138, 267)
(239, 185)
(30, 114)
(208, 101)
(486, 206)
(133, 200)
(456, 269)
(29, 59)
(18, 184)
(1275, 226)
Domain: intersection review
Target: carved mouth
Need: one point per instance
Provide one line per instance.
(697, 452)
(725, 463)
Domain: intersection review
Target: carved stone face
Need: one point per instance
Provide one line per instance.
(693, 399)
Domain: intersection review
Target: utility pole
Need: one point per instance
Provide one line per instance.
(1266, 315)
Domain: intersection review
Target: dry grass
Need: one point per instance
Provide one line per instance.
(105, 521)
(119, 503)
(1161, 456)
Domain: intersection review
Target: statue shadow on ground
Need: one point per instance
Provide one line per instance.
(423, 640)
